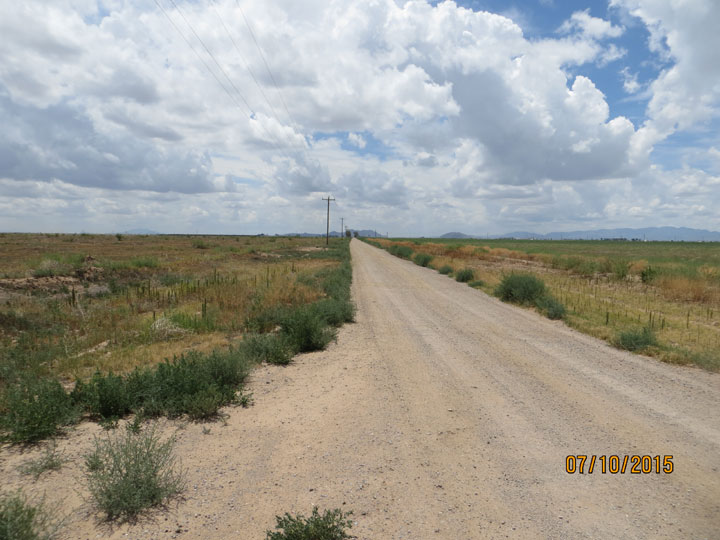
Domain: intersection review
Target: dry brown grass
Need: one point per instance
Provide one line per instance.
(201, 296)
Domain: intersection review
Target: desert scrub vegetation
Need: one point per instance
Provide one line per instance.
(635, 340)
(422, 259)
(129, 472)
(21, 519)
(34, 409)
(404, 252)
(520, 289)
(153, 325)
(527, 290)
(465, 275)
(606, 287)
(445, 269)
(330, 525)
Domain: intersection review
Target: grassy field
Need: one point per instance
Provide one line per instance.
(74, 307)
(667, 292)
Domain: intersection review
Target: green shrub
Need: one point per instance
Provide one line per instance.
(130, 472)
(404, 252)
(620, 269)
(445, 269)
(36, 409)
(105, 396)
(306, 330)
(520, 289)
(552, 307)
(270, 348)
(648, 274)
(21, 520)
(331, 525)
(334, 312)
(465, 275)
(709, 360)
(195, 384)
(205, 403)
(634, 340)
(477, 284)
(422, 259)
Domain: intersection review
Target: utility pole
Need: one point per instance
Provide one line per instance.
(327, 236)
(342, 227)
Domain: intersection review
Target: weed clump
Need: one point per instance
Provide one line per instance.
(648, 274)
(478, 283)
(306, 330)
(331, 525)
(270, 348)
(445, 269)
(403, 252)
(131, 472)
(465, 275)
(422, 259)
(50, 460)
(529, 290)
(634, 340)
(520, 289)
(21, 520)
(195, 384)
(36, 409)
(553, 308)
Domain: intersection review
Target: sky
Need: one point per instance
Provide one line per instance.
(418, 117)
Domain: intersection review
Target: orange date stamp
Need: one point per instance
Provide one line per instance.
(615, 464)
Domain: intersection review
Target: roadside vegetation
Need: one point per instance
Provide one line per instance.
(21, 519)
(101, 327)
(132, 471)
(330, 525)
(658, 298)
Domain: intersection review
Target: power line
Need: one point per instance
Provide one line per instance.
(212, 56)
(274, 140)
(247, 66)
(232, 98)
(249, 69)
(267, 66)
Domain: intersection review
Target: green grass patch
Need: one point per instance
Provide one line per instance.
(446, 270)
(477, 284)
(144, 262)
(331, 525)
(22, 520)
(404, 252)
(130, 472)
(195, 384)
(270, 348)
(551, 307)
(35, 409)
(422, 259)
(520, 289)
(465, 275)
(635, 340)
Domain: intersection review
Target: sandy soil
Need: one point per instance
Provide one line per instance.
(442, 413)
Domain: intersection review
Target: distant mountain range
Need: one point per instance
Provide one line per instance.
(684, 234)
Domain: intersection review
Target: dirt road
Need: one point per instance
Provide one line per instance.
(443, 413)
